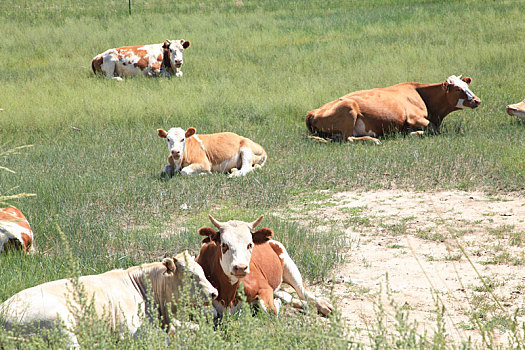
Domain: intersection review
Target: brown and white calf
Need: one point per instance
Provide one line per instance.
(200, 154)
(237, 253)
(150, 60)
(517, 110)
(15, 231)
(119, 296)
(368, 114)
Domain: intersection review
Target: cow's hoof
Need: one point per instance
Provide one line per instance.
(324, 306)
(235, 173)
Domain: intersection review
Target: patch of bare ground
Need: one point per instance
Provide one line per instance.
(419, 239)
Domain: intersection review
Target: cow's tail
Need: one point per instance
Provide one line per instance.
(96, 64)
(309, 122)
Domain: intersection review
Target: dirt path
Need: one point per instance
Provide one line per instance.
(414, 237)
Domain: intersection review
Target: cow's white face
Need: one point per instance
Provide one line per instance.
(459, 93)
(517, 109)
(236, 240)
(176, 138)
(176, 48)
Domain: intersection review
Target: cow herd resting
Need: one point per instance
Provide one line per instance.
(233, 251)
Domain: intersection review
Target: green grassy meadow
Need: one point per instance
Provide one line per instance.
(255, 68)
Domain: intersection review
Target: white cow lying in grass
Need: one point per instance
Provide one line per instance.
(200, 154)
(120, 295)
(150, 60)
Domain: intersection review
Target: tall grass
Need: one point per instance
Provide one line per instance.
(255, 68)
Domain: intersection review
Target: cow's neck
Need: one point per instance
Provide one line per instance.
(166, 62)
(435, 99)
(216, 276)
(194, 150)
(137, 276)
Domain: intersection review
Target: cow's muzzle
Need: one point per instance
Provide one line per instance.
(240, 271)
(175, 155)
(474, 103)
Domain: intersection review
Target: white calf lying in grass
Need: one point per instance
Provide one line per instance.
(200, 154)
(119, 295)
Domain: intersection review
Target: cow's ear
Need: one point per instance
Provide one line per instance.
(445, 85)
(262, 235)
(211, 235)
(170, 265)
(185, 44)
(162, 133)
(190, 132)
(166, 44)
(467, 80)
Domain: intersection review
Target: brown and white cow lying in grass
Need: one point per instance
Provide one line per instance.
(120, 295)
(517, 110)
(368, 114)
(150, 60)
(237, 253)
(15, 232)
(201, 154)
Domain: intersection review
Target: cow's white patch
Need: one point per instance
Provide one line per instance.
(456, 81)
(227, 164)
(460, 103)
(360, 129)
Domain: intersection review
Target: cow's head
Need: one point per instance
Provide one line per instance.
(176, 48)
(235, 240)
(176, 138)
(517, 109)
(184, 269)
(458, 92)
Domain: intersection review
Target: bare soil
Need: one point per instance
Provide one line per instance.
(419, 239)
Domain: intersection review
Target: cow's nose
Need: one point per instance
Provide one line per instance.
(175, 153)
(240, 269)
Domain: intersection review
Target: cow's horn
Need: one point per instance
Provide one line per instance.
(460, 76)
(215, 222)
(257, 222)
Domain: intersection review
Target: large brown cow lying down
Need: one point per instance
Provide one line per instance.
(193, 154)
(149, 60)
(517, 109)
(368, 114)
(15, 231)
(119, 294)
(237, 253)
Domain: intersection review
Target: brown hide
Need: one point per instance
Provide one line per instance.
(378, 111)
(209, 259)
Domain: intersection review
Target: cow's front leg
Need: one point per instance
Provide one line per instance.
(266, 301)
(194, 169)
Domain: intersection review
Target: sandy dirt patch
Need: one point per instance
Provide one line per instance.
(415, 238)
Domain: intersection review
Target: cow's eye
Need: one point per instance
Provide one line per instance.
(181, 140)
(250, 246)
(224, 247)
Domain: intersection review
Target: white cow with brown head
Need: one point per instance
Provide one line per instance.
(150, 60)
(201, 154)
(120, 295)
